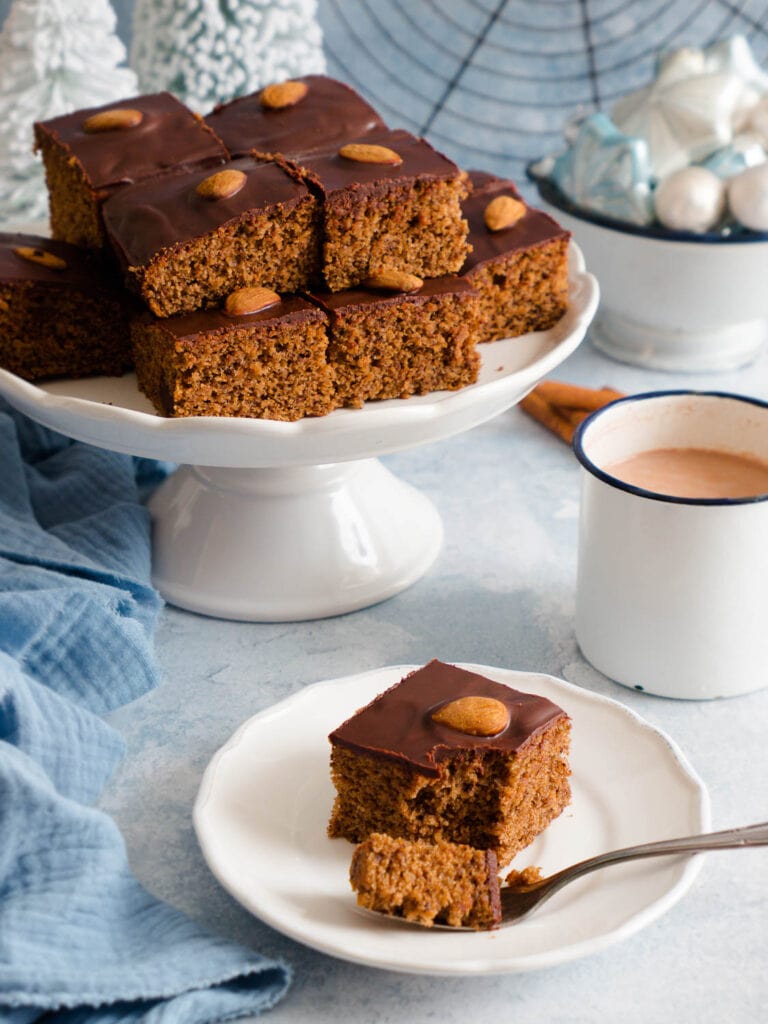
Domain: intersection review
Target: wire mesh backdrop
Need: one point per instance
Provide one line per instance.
(492, 82)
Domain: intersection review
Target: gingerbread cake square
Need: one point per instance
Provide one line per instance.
(270, 364)
(185, 241)
(91, 153)
(389, 201)
(448, 754)
(430, 883)
(61, 314)
(301, 116)
(396, 344)
(520, 270)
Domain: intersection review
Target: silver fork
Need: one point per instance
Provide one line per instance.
(518, 901)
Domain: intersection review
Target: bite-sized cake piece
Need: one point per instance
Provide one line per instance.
(304, 115)
(61, 315)
(389, 344)
(390, 201)
(91, 153)
(270, 363)
(431, 883)
(448, 754)
(518, 262)
(185, 241)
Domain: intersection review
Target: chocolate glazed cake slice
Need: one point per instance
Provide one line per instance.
(300, 116)
(389, 202)
(386, 343)
(259, 356)
(186, 241)
(518, 262)
(91, 154)
(449, 754)
(61, 313)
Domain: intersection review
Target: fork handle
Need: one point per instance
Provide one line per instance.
(732, 838)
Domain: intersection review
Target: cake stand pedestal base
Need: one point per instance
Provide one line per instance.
(286, 544)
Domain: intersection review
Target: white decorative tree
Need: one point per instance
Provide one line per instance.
(206, 51)
(55, 56)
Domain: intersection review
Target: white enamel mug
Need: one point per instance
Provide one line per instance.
(672, 593)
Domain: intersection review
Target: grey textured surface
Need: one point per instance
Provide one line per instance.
(501, 593)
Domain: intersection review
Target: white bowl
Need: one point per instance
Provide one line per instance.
(671, 300)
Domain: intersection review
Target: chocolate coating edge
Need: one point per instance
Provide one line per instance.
(534, 229)
(396, 725)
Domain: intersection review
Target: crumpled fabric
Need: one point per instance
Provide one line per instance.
(80, 939)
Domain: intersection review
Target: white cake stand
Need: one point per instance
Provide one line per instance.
(275, 522)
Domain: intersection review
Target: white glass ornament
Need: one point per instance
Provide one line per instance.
(682, 120)
(757, 122)
(691, 199)
(748, 197)
(735, 56)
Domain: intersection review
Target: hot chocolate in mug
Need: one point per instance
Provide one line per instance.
(672, 589)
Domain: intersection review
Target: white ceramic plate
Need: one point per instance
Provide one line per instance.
(265, 798)
(110, 412)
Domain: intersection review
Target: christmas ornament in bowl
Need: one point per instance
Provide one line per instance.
(668, 199)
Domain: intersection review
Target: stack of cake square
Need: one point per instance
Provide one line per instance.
(283, 257)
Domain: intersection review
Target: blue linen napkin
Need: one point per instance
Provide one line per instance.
(80, 939)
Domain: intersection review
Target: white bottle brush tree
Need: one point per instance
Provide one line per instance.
(207, 51)
(56, 56)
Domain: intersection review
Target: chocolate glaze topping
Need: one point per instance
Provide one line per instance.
(153, 215)
(329, 113)
(81, 271)
(534, 228)
(168, 136)
(450, 284)
(397, 724)
(333, 173)
(206, 323)
(481, 180)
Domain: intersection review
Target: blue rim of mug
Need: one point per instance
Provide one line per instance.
(641, 492)
(553, 195)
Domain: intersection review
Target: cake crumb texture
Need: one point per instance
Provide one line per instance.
(428, 883)
(271, 369)
(408, 346)
(489, 800)
(416, 227)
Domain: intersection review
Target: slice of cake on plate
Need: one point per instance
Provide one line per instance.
(300, 116)
(91, 154)
(449, 754)
(185, 241)
(61, 313)
(259, 356)
(518, 262)
(389, 202)
(386, 343)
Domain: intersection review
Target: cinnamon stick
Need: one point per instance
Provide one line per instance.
(548, 416)
(572, 396)
(561, 407)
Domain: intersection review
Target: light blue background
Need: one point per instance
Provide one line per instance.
(493, 81)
